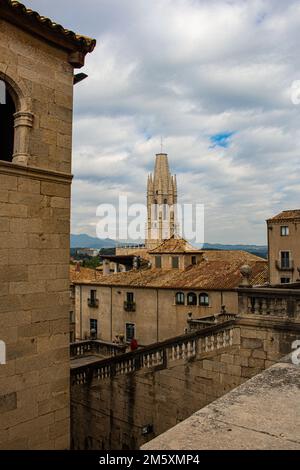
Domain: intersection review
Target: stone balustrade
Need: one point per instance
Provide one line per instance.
(100, 348)
(195, 324)
(270, 302)
(185, 347)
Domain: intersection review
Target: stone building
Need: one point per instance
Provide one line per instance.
(284, 247)
(37, 62)
(153, 304)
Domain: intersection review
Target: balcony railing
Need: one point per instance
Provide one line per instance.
(129, 306)
(93, 303)
(285, 265)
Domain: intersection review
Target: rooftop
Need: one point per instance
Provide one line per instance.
(19, 14)
(174, 245)
(78, 274)
(218, 270)
(286, 215)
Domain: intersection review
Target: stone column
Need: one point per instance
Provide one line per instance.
(23, 123)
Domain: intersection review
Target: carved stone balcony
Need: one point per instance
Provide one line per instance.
(285, 266)
(93, 303)
(129, 306)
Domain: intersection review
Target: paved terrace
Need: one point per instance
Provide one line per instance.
(263, 413)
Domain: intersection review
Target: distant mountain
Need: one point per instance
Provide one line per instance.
(259, 250)
(85, 241)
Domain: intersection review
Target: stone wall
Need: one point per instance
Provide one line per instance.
(34, 309)
(111, 413)
(34, 246)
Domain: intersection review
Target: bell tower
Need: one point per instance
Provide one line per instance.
(161, 203)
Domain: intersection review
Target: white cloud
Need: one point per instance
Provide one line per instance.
(187, 70)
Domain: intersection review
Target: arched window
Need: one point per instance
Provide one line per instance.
(7, 111)
(165, 209)
(191, 298)
(179, 298)
(155, 210)
(203, 299)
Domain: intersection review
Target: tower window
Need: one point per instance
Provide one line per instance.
(175, 262)
(158, 262)
(165, 209)
(7, 111)
(194, 259)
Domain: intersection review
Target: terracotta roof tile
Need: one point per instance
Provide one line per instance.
(286, 215)
(219, 270)
(84, 274)
(81, 42)
(174, 245)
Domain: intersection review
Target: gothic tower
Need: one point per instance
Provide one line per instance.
(161, 201)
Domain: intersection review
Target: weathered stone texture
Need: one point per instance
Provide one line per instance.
(34, 249)
(111, 413)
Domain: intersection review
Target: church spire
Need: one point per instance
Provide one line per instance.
(161, 196)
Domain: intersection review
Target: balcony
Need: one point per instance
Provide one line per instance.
(286, 265)
(93, 303)
(129, 306)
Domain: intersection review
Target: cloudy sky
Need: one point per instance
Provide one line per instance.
(214, 79)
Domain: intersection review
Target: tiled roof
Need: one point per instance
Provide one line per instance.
(174, 245)
(84, 274)
(285, 215)
(82, 43)
(219, 270)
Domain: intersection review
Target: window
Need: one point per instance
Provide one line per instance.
(179, 298)
(175, 262)
(93, 295)
(93, 327)
(285, 280)
(130, 332)
(194, 259)
(191, 298)
(203, 299)
(284, 230)
(72, 317)
(158, 261)
(165, 209)
(7, 111)
(155, 209)
(285, 259)
(130, 297)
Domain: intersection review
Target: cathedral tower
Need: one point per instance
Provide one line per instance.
(161, 201)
